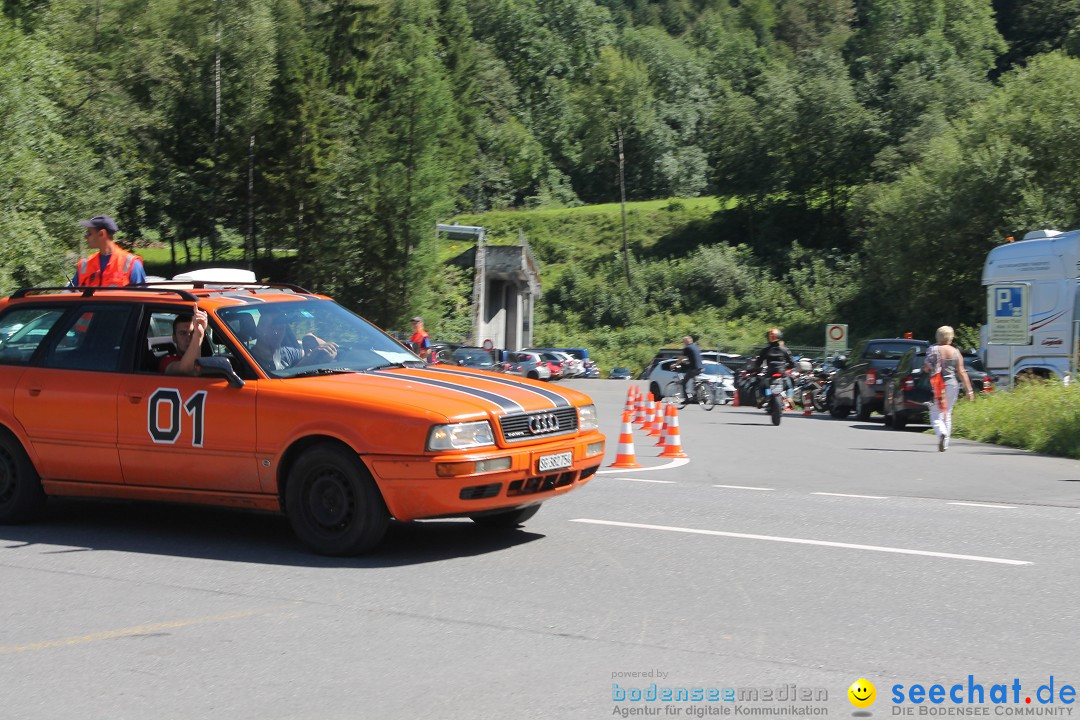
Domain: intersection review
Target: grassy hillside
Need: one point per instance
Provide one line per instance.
(592, 233)
(686, 279)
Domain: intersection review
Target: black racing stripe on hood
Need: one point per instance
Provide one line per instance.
(503, 402)
(554, 397)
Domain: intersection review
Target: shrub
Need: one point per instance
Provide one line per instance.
(1042, 416)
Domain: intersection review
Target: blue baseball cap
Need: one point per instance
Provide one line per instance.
(101, 222)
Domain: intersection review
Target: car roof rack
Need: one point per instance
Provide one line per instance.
(222, 285)
(89, 291)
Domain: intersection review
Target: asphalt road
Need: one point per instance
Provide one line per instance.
(786, 559)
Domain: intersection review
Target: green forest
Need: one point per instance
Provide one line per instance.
(808, 161)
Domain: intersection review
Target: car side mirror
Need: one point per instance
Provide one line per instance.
(219, 367)
(840, 362)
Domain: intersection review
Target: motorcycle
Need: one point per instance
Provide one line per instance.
(812, 386)
(772, 394)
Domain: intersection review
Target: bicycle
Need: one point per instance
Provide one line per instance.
(704, 393)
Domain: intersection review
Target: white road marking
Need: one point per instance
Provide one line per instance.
(741, 487)
(677, 462)
(868, 497)
(664, 482)
(802, 541)
(1002, 507)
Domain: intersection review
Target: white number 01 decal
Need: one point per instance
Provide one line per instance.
(168, 434)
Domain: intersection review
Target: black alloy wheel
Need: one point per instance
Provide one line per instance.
(21, 495)
(332, 502)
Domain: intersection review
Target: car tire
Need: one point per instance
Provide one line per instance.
(533, 376)
(899, 422)
(332, 502)
(889, 420)
(657, 394)
(21, 495)
(509, 519)
(861, 411)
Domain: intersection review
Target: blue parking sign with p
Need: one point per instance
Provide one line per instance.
(1008, 301)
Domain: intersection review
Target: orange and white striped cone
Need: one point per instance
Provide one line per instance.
(656, 428)
(650, 414)
(735, 400)
(662, 440)
(625, 458)
(630, 394)
(639, 408)
(807, 404)
(673, 443)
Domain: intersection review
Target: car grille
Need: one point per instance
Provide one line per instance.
(480, 492)
(540, 484)
(544, 424)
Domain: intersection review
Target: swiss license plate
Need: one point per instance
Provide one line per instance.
(556, 461)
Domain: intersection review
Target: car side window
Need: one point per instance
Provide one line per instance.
(91, 339)
(23, 330)
(158, 340)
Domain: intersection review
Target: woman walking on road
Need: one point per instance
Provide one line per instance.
(943, 364)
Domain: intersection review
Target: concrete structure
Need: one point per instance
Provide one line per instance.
(506, 283)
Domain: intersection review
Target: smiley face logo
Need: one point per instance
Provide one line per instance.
(862, 693)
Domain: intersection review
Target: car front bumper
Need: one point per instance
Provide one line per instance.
(413, 489)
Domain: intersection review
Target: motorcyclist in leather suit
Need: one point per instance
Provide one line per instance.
(774, 358)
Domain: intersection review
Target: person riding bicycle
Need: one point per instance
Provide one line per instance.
(774, 357)
(690, 365)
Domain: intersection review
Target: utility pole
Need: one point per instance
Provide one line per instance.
(622, 201)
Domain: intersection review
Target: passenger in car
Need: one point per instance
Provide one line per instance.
(188, 333)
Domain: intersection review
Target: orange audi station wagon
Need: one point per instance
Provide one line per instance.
(339, 441)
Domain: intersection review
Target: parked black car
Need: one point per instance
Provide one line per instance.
(473, 357)
(621, 373)
(859, 384)
(443, 352)
(908, 391)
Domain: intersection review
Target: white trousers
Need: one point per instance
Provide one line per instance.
(941, 420)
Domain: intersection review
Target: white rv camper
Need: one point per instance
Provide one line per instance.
(1032, 306)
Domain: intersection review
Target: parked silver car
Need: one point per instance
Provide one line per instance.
(527, 364)
(572, 366)
(662, 374)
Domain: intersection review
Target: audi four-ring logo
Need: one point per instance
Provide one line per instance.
(543, 424)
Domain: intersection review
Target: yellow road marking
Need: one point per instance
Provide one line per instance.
(131, 631)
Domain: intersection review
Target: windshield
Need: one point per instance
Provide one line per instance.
(476, 357)
(711, 368)
(887, 351)
(312, 337)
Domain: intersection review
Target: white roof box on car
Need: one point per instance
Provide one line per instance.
(1040, 234)
(217, 275)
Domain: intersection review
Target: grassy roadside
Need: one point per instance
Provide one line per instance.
(1043, 417)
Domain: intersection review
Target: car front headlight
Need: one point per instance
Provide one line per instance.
(460, 436)
(587, 418)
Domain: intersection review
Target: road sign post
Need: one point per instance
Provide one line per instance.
(1009, 314)
(836, 338)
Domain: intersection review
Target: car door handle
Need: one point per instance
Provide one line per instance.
(135, 399)
(34, 391)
